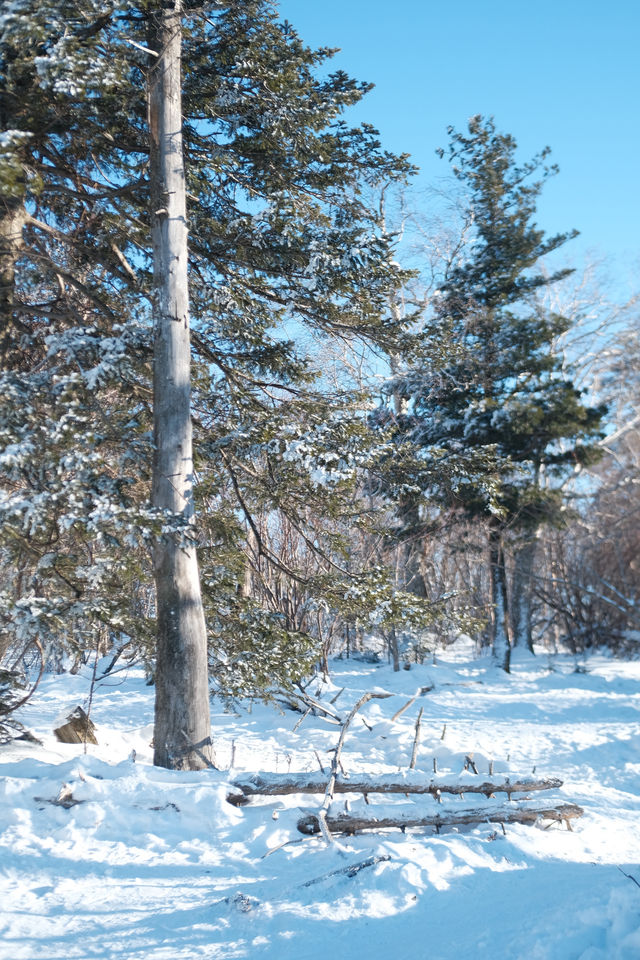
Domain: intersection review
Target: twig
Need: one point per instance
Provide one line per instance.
(279, 846)
(416, 741)
(197, 749)
(303, 717)
(350, 871)
(399, 712)
(469, 762)
(335, 763)
(151, 53)
(628, 876)
(31, 692)
(92, 687)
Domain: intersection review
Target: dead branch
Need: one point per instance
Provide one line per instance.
(302, 701)
(279, 784)
(335, 763)
(344, 823)
(399, 712)
(416, 741)
(349, 871)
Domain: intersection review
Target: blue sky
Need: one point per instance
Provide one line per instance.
(564, 74)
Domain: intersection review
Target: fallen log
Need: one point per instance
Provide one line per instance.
(277, 784)
(345, 823)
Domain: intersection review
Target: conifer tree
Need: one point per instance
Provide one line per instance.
(501, 391)
(281, 232)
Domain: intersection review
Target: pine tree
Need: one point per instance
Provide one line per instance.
(501, 391)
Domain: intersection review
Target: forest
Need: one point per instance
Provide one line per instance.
(319, 497)
(257, 408)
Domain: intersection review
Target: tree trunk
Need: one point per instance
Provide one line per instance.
(522, 594)
(394, 649)
(12, 220)
(182, 721)
(411, 577)
(500, 626)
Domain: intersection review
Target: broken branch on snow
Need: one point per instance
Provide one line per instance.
(275, 784)
(345, 823)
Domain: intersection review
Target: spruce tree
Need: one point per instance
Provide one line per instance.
(502, 391)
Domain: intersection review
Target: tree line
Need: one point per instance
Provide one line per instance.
(237, 433)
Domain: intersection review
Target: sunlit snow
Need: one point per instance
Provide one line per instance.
(152, 864)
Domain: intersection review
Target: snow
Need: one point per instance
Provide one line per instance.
(156, 864)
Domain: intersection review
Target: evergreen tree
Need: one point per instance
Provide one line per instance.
(281, 232)
(501, 391)
(73, 402)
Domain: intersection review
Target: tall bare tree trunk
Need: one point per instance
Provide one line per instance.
(12, 220)
(522, 594)
(182, 720)
(411, 547)
(500, 626)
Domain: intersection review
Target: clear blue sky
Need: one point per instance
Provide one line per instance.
(562, 73)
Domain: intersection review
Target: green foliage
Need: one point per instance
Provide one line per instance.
(501, 395)
(253, 653)
(282, 237)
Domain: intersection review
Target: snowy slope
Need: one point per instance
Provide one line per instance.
(156, 865)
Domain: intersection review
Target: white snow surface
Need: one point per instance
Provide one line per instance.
(156, 865)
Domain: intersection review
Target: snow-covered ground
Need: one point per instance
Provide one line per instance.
(157, 865)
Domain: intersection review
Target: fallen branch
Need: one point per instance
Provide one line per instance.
(277, 784)
(345, 823)
(402, 709)
(350, 871)
(416, 741)
(628, 876)
(335, 763)
(302, 701)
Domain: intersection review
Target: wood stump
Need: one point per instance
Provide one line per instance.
(79, 728)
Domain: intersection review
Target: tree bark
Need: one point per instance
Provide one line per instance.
(182, 721)
(500, 626)
(522, 594)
